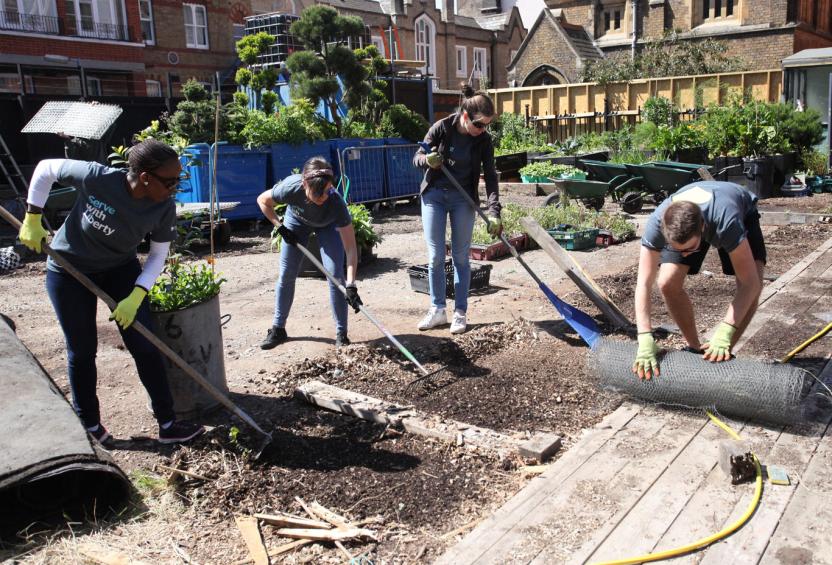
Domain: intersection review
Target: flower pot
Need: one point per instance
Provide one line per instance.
(195, 334)
(534, 179)
(760, 172)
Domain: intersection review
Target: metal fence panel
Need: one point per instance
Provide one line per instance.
(373, 173)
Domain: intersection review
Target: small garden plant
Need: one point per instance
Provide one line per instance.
(182, 285)
(545, 169)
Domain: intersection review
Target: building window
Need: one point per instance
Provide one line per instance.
(716, 9)
(379, 43)
(10, 82)
(101, 19)
(146, 17)
(480, 63)
(461, 61)
(613, 18)
(29, 15)
(73, 86)
(154, 87)
(238, 31)
(196, 26)
(426, 43)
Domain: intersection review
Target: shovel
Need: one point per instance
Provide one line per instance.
(363, 309)
(580, 321)
(149, 335)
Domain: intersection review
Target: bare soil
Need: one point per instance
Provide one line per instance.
(515, 370)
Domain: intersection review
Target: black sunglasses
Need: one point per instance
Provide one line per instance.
(477, 124)
(170, 183)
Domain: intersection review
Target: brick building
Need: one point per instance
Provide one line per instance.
(457, 44)
(115, 47)
(761, 32)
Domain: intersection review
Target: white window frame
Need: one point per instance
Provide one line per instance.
(192, 9)
(461, 62)
(73, 85)
(94, 86)
(45, 9)
(96, 19)
(425, 35)
(378, 41)
(153, 86)
(151, 39)
(480, 63)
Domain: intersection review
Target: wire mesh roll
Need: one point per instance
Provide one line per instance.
(740, 388)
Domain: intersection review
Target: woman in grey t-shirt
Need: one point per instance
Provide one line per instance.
(313, 206)
(113, 213)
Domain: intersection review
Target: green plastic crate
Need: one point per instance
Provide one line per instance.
(575, 240)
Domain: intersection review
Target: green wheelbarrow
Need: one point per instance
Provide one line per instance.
(625, 188)
(592, 193)
(661, 181)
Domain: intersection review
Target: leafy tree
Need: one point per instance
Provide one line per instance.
(249, 48)
(194, 117)
(315, 71)
(401, 121)
(669, 55)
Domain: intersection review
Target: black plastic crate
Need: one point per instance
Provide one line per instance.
(480, 278)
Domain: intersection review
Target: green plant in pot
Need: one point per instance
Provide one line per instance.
(183, 285)
(544, 171)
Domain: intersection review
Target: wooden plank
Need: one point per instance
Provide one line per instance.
(104, 556)
(793, 451)
(575, 272)
(611, 500)
(250, 531)
(778, 218)
(554, 527)
(336, 534)
(412, 421)
(287, 520)
(482, 537)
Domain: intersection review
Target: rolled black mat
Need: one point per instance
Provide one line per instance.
(50, 470)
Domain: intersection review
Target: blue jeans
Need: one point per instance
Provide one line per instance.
(437, 205)
(75, 307)
(332, 257)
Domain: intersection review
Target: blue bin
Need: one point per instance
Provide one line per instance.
(364, 169)
(286, 157)
(402, 179)
(241, 177)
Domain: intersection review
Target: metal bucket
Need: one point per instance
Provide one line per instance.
(195, 333)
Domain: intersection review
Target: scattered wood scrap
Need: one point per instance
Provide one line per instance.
(104, 556)
(321, 525)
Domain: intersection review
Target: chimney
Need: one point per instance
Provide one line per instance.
(448, 10)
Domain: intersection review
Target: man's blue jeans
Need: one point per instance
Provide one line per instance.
(332, 257)
(437, 205)
(75, 307)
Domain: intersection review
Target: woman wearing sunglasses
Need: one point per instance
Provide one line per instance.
(460, 141)
(114, 212)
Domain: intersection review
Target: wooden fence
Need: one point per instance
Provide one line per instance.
(568, 109)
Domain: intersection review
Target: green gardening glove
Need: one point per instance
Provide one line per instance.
(495, 226)
(646, 364)
(434, 159)
(719, 349)
(125, 311)
(32, 233)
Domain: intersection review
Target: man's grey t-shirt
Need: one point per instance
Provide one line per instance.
(457, 160)
(290, 191)
(724, 206)
(106, 224)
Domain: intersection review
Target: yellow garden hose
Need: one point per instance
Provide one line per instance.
(725, 532)
(806, 343)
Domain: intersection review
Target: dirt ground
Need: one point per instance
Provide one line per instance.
(518, 369)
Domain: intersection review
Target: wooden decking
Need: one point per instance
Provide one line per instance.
(647, 479)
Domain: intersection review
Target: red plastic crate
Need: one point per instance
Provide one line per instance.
(497, 249)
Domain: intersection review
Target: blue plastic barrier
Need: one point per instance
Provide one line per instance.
(286, 157)
(402, 179)
(241, 177)
(363, 169)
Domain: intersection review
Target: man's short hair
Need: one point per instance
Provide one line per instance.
(681, 221)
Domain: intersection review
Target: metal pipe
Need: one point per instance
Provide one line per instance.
(634, 11)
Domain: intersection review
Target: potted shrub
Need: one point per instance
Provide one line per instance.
(185, 307)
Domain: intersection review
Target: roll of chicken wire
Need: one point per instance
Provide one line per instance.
(740, 388)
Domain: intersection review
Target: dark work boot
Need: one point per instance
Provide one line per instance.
(341, 339)
(274, 337)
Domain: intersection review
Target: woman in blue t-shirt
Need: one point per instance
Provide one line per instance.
(114, 212)
(462, 143)
(313, 206)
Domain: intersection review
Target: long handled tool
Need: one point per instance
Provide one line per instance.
(364, 310)
(149, 335)
(580, 321)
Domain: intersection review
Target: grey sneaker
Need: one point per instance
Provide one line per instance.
(435, 317)
(274, 337)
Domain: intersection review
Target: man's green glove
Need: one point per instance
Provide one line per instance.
(646, 364)
(719, 349)
(32, 232)
(434, 159)
(125, 311)
(495, 226)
